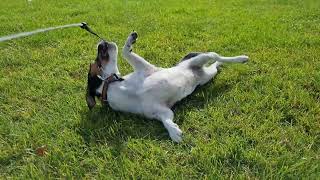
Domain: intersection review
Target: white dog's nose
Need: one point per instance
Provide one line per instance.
(103, 43)
(103, 47)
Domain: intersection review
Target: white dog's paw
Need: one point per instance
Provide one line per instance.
(132, 38)
(243, 58)
(175, 133)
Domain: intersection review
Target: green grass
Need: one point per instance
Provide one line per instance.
(255, 120)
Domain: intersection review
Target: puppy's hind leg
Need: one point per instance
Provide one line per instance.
(235, 59)
(138, 63)
(209, 72)
(199, 60)
(210, 57)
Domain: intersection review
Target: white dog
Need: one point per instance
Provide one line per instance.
(150, 91)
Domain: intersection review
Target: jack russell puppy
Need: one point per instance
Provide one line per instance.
(149, 91)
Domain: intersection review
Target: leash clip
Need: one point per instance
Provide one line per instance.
(85, 26)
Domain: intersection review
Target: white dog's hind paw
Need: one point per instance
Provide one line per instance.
(175, 133)
(243, 58)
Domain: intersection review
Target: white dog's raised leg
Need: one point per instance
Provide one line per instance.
(209, 72)
(206, 58)
(165, 115)
(138, 63)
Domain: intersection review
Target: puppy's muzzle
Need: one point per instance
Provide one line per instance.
(103, 50)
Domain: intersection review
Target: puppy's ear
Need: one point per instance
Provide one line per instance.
(91, 102)
(93, 70)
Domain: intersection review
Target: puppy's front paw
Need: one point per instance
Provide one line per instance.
(132, 38)
(134, 35)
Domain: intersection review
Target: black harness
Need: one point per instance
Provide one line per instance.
(107, 81)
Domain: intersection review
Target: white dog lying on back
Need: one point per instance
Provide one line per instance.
(150, 91)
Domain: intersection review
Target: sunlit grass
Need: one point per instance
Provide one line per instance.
(255, 120)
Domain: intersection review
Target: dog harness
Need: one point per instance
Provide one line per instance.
(107, 81)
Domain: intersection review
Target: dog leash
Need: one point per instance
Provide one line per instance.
(85, 26)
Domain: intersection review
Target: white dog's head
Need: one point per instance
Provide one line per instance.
(104, 66)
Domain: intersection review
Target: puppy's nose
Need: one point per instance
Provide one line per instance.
(102, 46)
(103, 43)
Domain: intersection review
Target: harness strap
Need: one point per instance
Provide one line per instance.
(109, 80)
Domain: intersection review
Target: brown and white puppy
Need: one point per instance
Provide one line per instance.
(149, 90)
(96, 74)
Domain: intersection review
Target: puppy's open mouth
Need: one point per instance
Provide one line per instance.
(103, 51)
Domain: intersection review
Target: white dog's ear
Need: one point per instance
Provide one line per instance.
(93, 83)
(91, 102)
(94, 69)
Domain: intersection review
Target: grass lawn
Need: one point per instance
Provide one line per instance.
(255, 120)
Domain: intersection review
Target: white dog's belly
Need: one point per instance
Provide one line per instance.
(122, 99)
(166, 86)
(123, 96)
(169, 85)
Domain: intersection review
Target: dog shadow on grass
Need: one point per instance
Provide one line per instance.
(102, 125)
